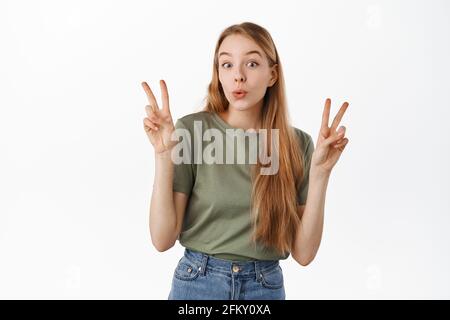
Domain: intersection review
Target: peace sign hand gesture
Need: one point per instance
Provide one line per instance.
(159, 124)
(331, 143)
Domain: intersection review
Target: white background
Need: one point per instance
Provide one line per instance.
(76, 168)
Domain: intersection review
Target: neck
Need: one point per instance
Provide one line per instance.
(244, 119)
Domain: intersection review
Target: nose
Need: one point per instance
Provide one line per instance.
(239, 77)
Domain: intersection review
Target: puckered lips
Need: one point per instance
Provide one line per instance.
(239, 93)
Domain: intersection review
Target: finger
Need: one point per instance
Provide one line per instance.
(155, 119)
(152, 115)
(326, 115)
(339, 134)
(150, 96)
(342, 146)
(151, 110)
(341, 131)
(334, 137)
(151, 124)
(338, 142)
(165, 96)
(339, 116)
(342, 143)
(147, 128)
(148, 110)
(148, 124)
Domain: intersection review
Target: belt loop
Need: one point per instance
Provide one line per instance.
(202, 268)
(257, 270)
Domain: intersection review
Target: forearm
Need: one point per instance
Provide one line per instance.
(309, 233)
(162, 208)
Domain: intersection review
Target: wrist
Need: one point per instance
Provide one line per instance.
(318, 174)
(166, 154)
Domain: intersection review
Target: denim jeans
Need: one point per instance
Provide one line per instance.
(199, 276)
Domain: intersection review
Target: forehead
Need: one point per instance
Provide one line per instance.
(238, 45)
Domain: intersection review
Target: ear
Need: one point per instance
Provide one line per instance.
(274, 72)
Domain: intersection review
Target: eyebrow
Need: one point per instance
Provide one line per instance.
(248, 53)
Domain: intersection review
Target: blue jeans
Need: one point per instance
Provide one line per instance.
(199, 276)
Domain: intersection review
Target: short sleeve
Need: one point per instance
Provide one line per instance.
(184, 173)
(308, 149)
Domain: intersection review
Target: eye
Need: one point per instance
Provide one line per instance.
(254, 62)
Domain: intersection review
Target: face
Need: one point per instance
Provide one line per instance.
(240, 70)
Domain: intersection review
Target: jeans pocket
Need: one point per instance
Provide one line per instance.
(186, 270)
(272, 278)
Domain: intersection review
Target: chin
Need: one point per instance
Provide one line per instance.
(241, 108)
(241, 105)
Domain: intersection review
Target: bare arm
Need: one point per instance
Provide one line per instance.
(163, 219)
(167, 207)
(330, 145)
(309, 233)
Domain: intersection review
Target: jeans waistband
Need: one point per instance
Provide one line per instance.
(204, 260)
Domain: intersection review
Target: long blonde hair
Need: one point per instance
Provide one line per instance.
(274, 209)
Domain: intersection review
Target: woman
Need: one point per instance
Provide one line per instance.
(236, 221)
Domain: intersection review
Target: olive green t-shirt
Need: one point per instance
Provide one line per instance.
(217, 220)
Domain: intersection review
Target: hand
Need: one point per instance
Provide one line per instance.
(331, 143)
(159, 124)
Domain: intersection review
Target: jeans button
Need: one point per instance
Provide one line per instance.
(235, 268)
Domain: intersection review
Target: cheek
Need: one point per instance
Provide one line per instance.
(223, 81)
(258, 80)
(259, 85)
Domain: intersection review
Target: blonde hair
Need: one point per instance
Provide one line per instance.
(275, 215)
